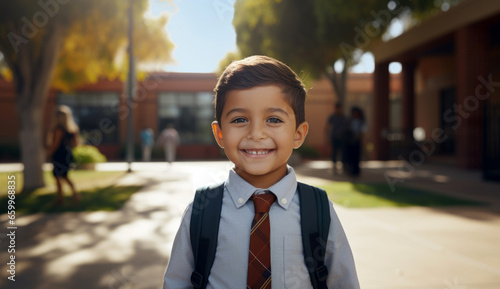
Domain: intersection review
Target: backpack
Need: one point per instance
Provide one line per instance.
(204, 230)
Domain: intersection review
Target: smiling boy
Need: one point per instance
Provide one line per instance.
(258, 131)
(260, 119)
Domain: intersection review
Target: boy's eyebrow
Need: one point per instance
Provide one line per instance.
(236, 110)
(272, 109)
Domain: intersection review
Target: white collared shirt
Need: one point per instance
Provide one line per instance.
(287, 260)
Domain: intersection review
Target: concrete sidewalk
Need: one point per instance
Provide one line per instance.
(418, 247)
(413, 247)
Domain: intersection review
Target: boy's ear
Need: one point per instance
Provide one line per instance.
(218, 133)
(300, 134)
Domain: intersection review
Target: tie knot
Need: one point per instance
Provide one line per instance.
(262, 203)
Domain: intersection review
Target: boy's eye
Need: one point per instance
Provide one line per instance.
(238, 120)
(274, 120)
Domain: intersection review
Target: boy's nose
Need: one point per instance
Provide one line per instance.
(257, 131)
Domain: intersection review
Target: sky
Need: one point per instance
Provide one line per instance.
(203, 34)
(201, 31)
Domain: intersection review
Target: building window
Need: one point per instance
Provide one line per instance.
(96, 115)
(395, 112)
(190, 112)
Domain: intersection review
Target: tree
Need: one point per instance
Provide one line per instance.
(311, 36)
(223, 63)
(76, 40)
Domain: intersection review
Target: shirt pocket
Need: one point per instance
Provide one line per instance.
(296, 275)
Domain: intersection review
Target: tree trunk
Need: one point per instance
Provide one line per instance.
(32, 70)
(32, 151)
(339, 82)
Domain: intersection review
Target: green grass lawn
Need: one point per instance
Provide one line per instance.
(83, 178)
(379, 195)
(97, 189)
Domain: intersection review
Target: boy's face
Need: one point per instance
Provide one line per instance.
(259, 133)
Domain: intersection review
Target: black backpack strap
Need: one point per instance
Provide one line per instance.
(315, 224)
(204, 230)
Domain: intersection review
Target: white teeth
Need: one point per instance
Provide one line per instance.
(256, 152)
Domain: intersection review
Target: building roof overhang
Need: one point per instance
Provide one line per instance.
(435, 31)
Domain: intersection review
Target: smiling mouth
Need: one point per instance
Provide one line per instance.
(258, 152)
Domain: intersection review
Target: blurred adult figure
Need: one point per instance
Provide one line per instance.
(62, 138)
(169, 139)
(147, 142)
(353, 141)
(335, 129)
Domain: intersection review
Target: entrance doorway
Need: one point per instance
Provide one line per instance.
(491, 155)
(446, 102)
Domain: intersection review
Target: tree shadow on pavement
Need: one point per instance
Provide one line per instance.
(361, 195)
(92, 250)
(473, 202)
(107, 198)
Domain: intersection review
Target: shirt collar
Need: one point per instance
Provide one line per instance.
(241, 191)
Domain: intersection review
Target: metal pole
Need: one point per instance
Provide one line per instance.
(130, 90)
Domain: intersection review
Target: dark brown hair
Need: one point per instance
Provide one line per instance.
(256, 71)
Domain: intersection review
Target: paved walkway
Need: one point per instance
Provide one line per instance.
(418, 248)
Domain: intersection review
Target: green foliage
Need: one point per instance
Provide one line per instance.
(310, 36)
(86, 154)
(357, 195)
(304, 34)
(83, 179)
(97, 190)
(308, 152)
(230, 57)
(9, 152)
(109, 198)
(77, 42)
(90, 37)
(137, 151)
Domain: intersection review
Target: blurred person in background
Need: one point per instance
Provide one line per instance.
(169, 139)
(147, 141)
(335, 129)
(63, 136)
(353, 141)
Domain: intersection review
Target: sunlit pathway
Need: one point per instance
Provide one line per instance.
(421, 247)
(394, 248)
(122, 249)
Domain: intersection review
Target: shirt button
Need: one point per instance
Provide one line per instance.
(284, 201)
(240, 200)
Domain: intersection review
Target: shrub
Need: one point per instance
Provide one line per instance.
(308, 152)
(9, 152)
(86, 154)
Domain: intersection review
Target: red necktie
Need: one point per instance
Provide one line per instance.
(259, 257)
